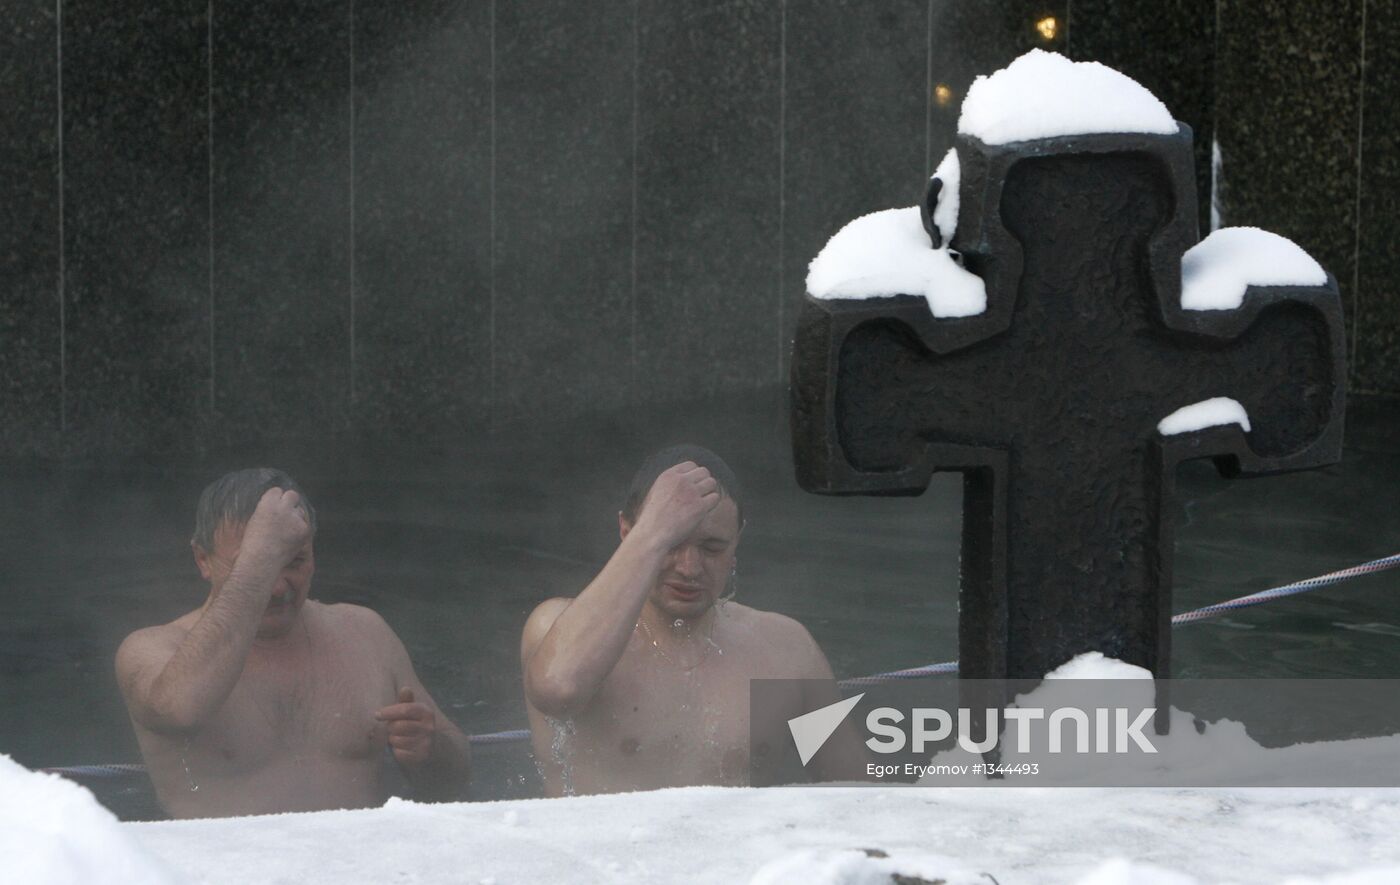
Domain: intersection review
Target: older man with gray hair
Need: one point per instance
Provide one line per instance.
(262, 700)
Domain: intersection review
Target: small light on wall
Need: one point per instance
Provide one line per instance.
(1048, 27)
(943, 95)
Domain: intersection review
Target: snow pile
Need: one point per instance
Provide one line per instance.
(1120, 871)
(1039, 95)
(1215, 752)
(715, 835)
(1215, 271)
(1095, 665)
(1043, 95)
(1373, 876)
(869, 867)
(889, 253)
(945, 212)
(53, 832)
(1207, 413)
(826, 867)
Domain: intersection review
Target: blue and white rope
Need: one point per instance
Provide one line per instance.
(1375, 565)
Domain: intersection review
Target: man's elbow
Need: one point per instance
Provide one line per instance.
(165, 714)
(556, 696)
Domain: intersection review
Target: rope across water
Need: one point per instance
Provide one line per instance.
(940, 669)
(1375, 565)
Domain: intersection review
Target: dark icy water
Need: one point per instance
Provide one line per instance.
(455, 546)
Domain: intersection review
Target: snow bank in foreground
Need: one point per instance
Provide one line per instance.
(53, 832)
(1206, 413)
(1043, 95)
(1215, 271)
(851, 867)
(889, 253)
(1024, 836)
(1373, 876)
(1124, 872)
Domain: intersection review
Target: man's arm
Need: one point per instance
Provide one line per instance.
(178, 686)
(843, 757)
(432, 751)
(569, 651)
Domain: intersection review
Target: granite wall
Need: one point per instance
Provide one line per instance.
(221, 222)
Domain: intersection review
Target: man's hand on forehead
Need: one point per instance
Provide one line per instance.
(679, 500)
(279, 521)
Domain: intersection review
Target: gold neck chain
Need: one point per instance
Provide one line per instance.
(705, 647)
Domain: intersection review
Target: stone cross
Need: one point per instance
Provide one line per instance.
(1048, 402)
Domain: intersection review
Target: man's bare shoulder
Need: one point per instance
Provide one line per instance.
(550, 608)
(544, 615)
(780, 633)
(347, 617)
(159, 639)
(144, 652)
(363, 631)
(540, 620)
(773, 626)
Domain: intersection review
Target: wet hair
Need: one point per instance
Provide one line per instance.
(667, 458)
(233, 497)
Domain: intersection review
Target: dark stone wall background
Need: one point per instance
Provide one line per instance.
(224, 223)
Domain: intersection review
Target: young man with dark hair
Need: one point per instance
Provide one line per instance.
(262, 700)
(642, 681)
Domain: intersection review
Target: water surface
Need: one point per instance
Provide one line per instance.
(455, 546)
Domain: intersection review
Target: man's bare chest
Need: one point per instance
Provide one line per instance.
(322, 706)
(667, 724)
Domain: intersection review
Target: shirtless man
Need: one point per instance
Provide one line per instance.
(642, 681)
(263, 701)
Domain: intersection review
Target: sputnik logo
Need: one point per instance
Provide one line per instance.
(811, 730)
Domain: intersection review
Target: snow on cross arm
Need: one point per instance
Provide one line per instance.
(1216, 271)
(889, 253)
(1044, 95)
(1039, 95)
(1214, 412)
(945, 213)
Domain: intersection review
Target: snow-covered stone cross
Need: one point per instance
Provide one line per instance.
(1070, 349)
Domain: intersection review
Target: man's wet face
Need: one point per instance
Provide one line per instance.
(695, 573)
(290, 591)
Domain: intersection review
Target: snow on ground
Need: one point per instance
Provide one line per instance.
(718, 835)
(1043, 95)
(1215, 271)
(1210, 752)
(53, 830)
(1206, 413)
(889, 253)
